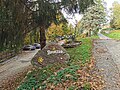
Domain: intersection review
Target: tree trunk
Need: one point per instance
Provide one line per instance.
(89, 33)
(42, 37)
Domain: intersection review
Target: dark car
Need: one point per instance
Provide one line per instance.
(37, 45)
(29, 47)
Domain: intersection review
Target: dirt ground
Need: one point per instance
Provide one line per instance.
(107, 55)
(12, 68)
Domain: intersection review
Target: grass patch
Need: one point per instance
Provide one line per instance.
(54, 74)
(115, 34)
(81, 53)
(94, 37)
(35, 79)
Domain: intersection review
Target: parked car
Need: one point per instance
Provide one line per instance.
(37, 45)
(29, 47)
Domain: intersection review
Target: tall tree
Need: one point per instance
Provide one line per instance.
(47, 10)
(19, 17)
(93, 19)
(115, 17)
(15, 23)
(54, 31)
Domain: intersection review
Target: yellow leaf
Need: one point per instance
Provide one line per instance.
(40, 59)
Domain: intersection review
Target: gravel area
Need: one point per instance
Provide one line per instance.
(107, 54)
(13, 66)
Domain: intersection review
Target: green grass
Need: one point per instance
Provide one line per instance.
(35, 79)
(94, 37)
(81, 53)
(42, 77)
(115, 34)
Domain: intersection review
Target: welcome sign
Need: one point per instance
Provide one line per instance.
(51, 53)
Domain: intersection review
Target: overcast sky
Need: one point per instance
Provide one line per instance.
(109, 3)
(78, 17)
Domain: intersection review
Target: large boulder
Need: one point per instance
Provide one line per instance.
(51, 53)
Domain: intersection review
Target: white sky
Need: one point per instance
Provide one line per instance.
(109, 3)
(78, 17)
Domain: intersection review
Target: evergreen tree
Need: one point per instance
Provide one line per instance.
(93, 19)
(47, 11)
(19, 17)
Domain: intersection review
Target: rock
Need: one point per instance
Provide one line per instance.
(51, 53)
(62, 42)
(72, 44)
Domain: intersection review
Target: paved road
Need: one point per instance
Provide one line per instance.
(107, 54)
(16, 65)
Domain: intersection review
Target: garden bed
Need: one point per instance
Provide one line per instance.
(77, 73)
(72, 44)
